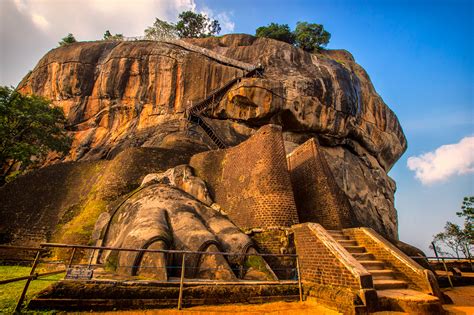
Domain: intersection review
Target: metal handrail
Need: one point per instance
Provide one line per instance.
(44, 246)
(170, 251)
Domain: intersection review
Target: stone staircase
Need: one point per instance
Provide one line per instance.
(383, 278)
(394, 294)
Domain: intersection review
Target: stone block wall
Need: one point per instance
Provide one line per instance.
(251, 181)
(277, 241)
(318, 197)
(405, 268)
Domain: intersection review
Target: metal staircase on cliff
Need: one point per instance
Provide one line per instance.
(194, 113)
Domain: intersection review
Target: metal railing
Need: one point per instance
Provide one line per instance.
(445, 260)
(86, 258)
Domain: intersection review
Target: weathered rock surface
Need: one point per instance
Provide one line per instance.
(116, 92)
(118, 95)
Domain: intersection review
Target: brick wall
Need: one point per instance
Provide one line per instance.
(330, 275)
(403, 266)
(318, 198)
(318, 263)
(277, 241)
(251, 181)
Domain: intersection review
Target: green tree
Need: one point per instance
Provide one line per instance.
(69, 39)
(109, 36)
(311, 36)
(455, 239)
(467, 211)
(161, 30)
(276, 31)
(29, 129)
(192, 25)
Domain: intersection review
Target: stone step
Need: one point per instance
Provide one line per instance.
(363, 256)
(335, 232)
(389, 284)
(382, 274)
(355, 249)
(409, 302)
(372, 264)
(347, 242)
(341, 237)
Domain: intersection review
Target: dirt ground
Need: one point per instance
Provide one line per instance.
(276, 308)
(463, 299)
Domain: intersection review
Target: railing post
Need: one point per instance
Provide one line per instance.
(447, 273)
(469, 256)
(181, 282)
(299, 278)
(27, 284)
(435, 251)
(90, 259)
(71, 258)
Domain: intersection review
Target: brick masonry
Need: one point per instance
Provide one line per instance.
(318, 264)
(251, 181)
(328, 277)
(403, 266)
(318, 197)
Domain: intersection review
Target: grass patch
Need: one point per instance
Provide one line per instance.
(9, 293)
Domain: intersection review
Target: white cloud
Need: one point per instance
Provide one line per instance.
(227, 24)
(446, 161)
(224, 19)
(40, 21)
(89, 19)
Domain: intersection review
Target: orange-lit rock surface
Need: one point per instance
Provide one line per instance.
(118, 95)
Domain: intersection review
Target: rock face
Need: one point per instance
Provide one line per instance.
(118, 95)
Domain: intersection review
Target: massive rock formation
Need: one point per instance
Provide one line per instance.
(118, 95)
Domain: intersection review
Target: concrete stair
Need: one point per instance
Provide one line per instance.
(383, 278)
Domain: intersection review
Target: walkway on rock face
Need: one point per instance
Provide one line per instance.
(211, 54)
(194, 113)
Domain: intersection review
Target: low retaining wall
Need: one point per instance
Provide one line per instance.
(330, 275)
(277, 241)
(108, 295)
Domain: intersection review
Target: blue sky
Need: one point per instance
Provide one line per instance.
(419, 55)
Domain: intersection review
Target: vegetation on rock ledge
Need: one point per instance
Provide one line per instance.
(189, 25)
(307, 36)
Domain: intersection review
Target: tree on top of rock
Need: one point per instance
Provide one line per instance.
(311, 36)
(307, 36)
(161, 30)
(69, 39)
(109, 36)
(29, 129)
(192, 25)
(276, 31)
